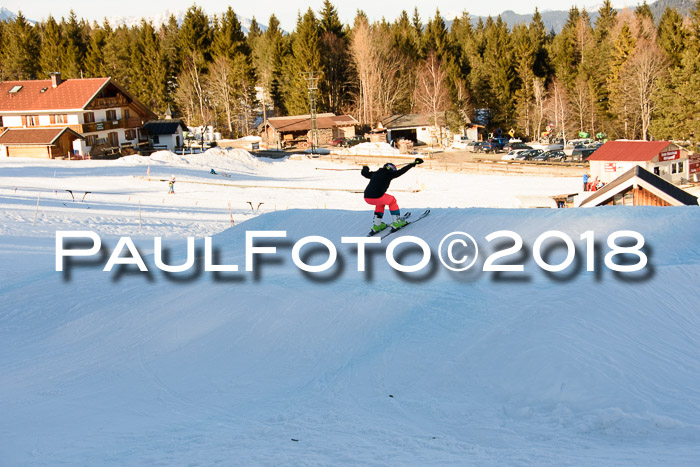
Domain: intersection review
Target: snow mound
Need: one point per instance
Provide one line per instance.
(231, 159)
(372, 149)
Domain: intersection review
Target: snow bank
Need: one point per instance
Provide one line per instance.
(236, 160)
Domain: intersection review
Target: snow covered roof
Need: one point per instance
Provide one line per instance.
(631, 150)
(34, 136)
(637, 176)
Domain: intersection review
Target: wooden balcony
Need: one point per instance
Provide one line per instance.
(108, 102)
(131, 122)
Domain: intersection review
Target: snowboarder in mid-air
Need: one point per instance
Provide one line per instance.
(376, 195)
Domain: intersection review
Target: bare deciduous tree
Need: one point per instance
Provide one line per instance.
(641, 75)
(431, 93)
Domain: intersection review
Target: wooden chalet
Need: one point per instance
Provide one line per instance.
(99, 110)
(295, 130)
(639, 187)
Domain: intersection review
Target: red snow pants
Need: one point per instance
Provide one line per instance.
(380, 203)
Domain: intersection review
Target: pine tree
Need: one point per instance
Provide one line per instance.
(94, 57)
(305, 58)
(53, 48)
(254, 31)
(565, 50)
(149, 73)
(333, 45)
(671, 36)
(195, 35)
(117, 54)
(170, 51)
(76, 46)
(21, 49)
(499, 67)
(229, 39)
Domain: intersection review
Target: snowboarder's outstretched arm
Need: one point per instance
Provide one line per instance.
(408, 167)
(365, 172)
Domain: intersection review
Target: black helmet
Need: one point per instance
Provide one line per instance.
(389, 166)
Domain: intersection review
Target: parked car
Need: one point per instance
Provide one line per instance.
(510, 145)
(513, 154)
(337, 141)
(528, 154)
(464, 144)
(554, 155)
(498, 143)
(353, 141)
(484, 146)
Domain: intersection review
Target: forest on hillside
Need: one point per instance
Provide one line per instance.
(622, 75)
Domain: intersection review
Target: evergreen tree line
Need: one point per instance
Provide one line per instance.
(623, 75)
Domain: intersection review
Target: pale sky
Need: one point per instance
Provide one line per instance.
(286, 11)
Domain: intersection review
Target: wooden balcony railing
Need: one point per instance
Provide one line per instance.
(131, 122)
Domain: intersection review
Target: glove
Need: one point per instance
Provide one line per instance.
(418, 161)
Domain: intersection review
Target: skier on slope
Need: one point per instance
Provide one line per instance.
(375, 193)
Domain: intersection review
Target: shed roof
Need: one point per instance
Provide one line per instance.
(396, 121)
(34, 136)
(630, 150)
(646, 179)
(163, 127)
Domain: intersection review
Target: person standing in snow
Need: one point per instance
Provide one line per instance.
(376, 195)
(585, 181)
(171, 186)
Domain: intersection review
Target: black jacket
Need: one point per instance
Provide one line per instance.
(379, 181)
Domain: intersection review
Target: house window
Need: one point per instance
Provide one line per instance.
(680, 166)
(60, 118)
(90, 140)
(111, 115)
(89, 117)
(113, 139)
(156, 139)
(673, 168)
(656, 171)
(125, 113)
(32, 120)
(130, 134)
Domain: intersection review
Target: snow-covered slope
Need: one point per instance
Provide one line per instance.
(278, 366)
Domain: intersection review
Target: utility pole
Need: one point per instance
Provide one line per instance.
(311, 78)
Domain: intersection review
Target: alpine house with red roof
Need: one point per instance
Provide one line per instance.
(661, 158)
(63, 118)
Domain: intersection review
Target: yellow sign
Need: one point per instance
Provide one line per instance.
(511, 132)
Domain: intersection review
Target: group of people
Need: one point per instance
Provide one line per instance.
(591, 185)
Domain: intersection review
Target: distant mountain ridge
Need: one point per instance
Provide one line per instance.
(555, 20)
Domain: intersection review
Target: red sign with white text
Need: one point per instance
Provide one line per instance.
(670, 155)
(611, 167)
(694, 164)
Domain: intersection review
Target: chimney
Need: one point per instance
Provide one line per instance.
(56, 79)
